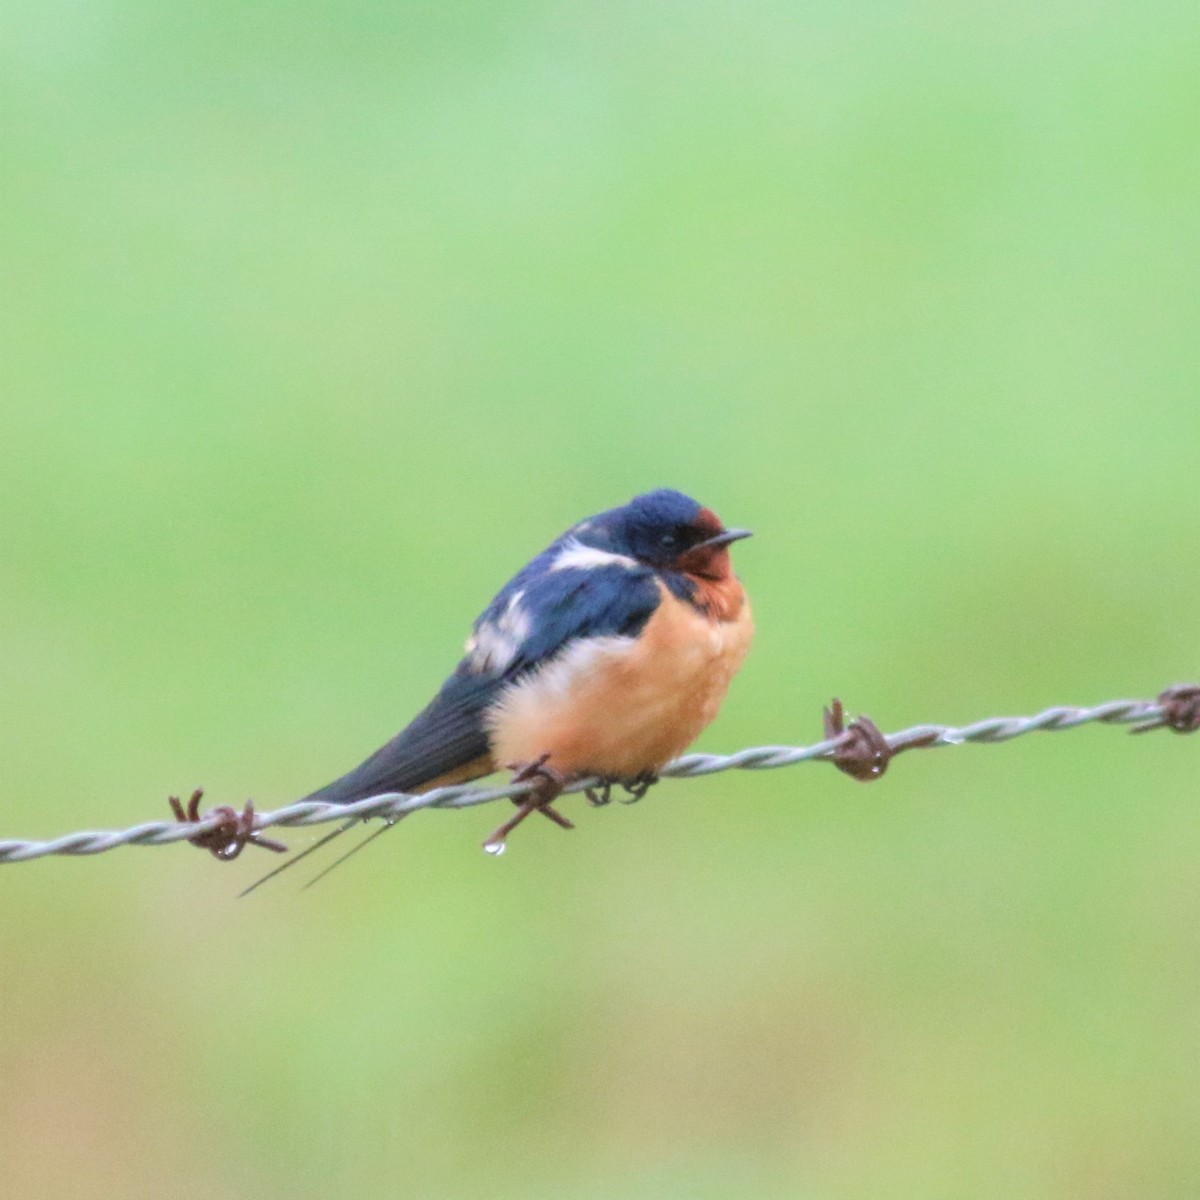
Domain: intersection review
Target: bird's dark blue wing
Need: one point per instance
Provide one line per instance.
(537, 615)
(558, 606)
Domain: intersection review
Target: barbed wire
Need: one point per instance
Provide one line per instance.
(857, 748)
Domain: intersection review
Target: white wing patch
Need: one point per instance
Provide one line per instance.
(575, 554)
(495, 643)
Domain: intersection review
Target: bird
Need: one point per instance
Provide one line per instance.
(603, 657)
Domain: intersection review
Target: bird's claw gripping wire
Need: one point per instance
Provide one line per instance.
(864, 752)
(600, 794)
(1181, 710)
(229, 838)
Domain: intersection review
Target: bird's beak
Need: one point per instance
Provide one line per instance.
(723, 539)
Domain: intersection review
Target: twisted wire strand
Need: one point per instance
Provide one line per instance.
(1145, 714)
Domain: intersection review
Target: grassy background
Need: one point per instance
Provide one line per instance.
(319, 319)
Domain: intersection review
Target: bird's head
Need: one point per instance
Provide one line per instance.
(668, 531)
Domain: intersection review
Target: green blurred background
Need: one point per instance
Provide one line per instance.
(319, 319)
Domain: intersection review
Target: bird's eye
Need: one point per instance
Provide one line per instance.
(668, 540)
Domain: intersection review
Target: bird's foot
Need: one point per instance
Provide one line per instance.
(639, 785)
(547, 787)
(600, 793)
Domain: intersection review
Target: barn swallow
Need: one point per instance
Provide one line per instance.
(604, 656)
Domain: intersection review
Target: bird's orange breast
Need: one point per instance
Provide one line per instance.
(617, 706)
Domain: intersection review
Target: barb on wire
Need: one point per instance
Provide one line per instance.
(235, 831)
(858, 748)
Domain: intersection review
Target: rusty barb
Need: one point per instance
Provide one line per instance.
(1180, 710)
(230, 834)
(857, 747)
(863, 751)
